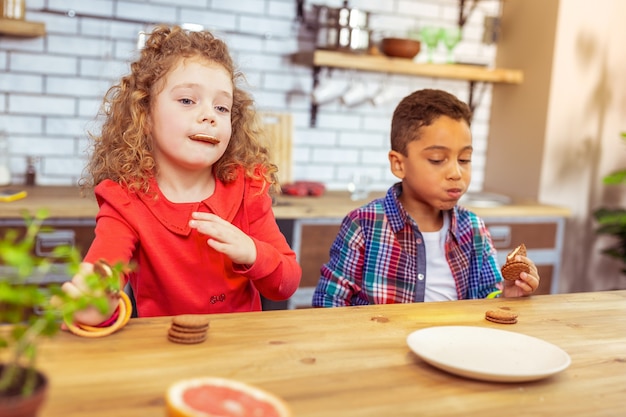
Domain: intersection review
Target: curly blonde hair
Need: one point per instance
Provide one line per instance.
(122, 152)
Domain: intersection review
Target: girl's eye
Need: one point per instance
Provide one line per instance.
(465, 161)
(186, 101)
(222, 109)
(435, 161)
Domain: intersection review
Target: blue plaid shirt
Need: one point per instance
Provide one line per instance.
(379, 257)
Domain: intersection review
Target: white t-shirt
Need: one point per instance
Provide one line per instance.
(440, 285)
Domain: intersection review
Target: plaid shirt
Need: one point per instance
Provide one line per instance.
(379, 257)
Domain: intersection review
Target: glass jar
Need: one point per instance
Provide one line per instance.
(13, 9)
(5, 172)
(31, 171)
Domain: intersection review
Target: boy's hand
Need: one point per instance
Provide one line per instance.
(224, 237)
(526, 284)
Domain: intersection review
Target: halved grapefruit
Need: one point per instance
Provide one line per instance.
(220, 397)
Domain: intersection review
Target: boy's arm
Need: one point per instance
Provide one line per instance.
(339, 276)
(489, 277)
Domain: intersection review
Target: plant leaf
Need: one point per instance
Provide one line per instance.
(615, 178)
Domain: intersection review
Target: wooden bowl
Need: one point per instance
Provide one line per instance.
(400, 47)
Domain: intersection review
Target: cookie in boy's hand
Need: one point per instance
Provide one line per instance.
(188, 328)
(512, 268)
(502, 315)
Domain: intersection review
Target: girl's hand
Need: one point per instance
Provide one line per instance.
(225, 237)
(74, 288)
(526, 284)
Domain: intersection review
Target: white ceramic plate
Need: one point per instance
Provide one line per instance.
(488, 354)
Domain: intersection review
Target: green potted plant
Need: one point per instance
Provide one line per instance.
(612, 221)
(27, 314)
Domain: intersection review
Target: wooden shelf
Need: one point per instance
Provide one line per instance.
(381, 63)
(22, 28)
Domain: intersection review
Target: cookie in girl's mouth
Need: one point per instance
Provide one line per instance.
(205, 138)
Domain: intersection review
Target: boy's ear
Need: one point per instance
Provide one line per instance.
(396, 164)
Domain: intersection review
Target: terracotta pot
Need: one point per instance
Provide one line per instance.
(13, 404)
(401, 48)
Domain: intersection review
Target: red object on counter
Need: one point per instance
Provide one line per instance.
(304, 188)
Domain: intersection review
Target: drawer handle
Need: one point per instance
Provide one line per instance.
(46, 242)
(500, 235)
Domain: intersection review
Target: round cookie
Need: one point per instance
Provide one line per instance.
(512, 268)
(520, 250)
(188, 328)
(191, 321)
(182, 329)
(501, 315)
(186, 337)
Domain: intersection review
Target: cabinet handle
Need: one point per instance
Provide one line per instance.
(501, 236)
(46, 242)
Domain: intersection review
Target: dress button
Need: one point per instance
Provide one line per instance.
(419, 241)
(420, 276)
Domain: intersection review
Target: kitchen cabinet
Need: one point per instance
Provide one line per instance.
(22, 28)
(73, 232)
(319, 59)
(312, 239)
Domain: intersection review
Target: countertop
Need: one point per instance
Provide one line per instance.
(67, 202)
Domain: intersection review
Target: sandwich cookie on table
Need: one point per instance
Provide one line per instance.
(188, 329)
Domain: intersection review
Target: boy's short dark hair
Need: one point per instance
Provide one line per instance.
(422, 108)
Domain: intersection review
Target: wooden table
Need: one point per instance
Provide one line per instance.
(349, 361)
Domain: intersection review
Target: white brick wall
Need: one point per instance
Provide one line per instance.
(51, 87)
